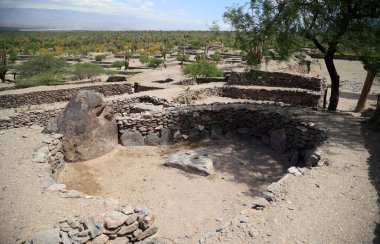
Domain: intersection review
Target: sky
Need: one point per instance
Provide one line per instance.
(115, 14)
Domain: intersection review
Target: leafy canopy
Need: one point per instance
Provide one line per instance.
(40, 64)
(287, 26)
(202, 69)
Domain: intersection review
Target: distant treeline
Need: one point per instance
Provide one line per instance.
(82, 42)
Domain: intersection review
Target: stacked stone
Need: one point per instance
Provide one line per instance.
(296, 96)
(126, 225)
(41, 97)
(51, 152)
(29, 118)
(283, 132)
(276, 79)
(42, 117)
(210, 80)
(124, 106)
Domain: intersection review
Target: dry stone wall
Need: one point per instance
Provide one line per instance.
(40, 97)
(275, 79)
(50, 152)
(283, 132)
(296, 97)
(42, 117)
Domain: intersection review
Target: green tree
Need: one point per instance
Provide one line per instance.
(281, 25)
(155, 62)
(202, 69)
(87, 70)
(366, 45)
(144, 59)
(41, 64)
(118, 64)
(216, 57)
(100, 57)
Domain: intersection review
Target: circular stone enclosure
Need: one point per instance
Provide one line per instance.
(251, 146)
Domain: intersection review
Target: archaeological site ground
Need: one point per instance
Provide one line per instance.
(150, 155)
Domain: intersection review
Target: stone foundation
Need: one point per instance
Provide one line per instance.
(278, 129)
(275, 79)
(52, 96)
(41, 117)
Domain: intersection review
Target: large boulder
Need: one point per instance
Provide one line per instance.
(88, 127)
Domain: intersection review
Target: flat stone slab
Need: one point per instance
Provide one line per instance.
(191, 162)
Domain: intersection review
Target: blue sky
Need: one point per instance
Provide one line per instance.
(114, 14)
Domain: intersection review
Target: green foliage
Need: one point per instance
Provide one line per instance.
(202, 69)
(288, 26)
(155, 62)
(13, 56)
(43, 79)
(183, 58)
(100, 57)
(144, 59)
(87, 70)
(118, 64)
(151, 61)
(216, 57)
(40, 64)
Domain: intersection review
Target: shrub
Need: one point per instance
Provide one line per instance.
(41, 64)
(100, 57)
(144, 59)
(87, 70)
(202, 69)
(43, 79)
(152, 62)
(118, 64)
(216, 57)
(182, 58)
(155, 62)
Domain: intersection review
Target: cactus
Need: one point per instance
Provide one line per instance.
(3, 63)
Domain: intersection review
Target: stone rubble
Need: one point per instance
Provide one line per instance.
(110, 227)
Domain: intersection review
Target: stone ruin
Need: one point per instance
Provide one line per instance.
(87, 129)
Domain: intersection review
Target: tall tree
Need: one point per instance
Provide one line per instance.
(279, 24)
(366, 46)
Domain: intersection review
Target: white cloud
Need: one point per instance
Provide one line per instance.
(139, 8)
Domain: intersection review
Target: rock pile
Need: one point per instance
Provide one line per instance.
(124, 225)
(51, 152)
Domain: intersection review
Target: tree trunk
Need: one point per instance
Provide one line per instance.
(2, 76)
(360, 106)
(334, 98)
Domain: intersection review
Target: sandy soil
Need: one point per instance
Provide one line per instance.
(334, 204)
(189, 202)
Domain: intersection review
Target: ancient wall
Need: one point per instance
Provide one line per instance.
(50, 152)
(210, 80)
(296, 97)
(283, 132)
(275, 79)
(41, 117)
(52, 96)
